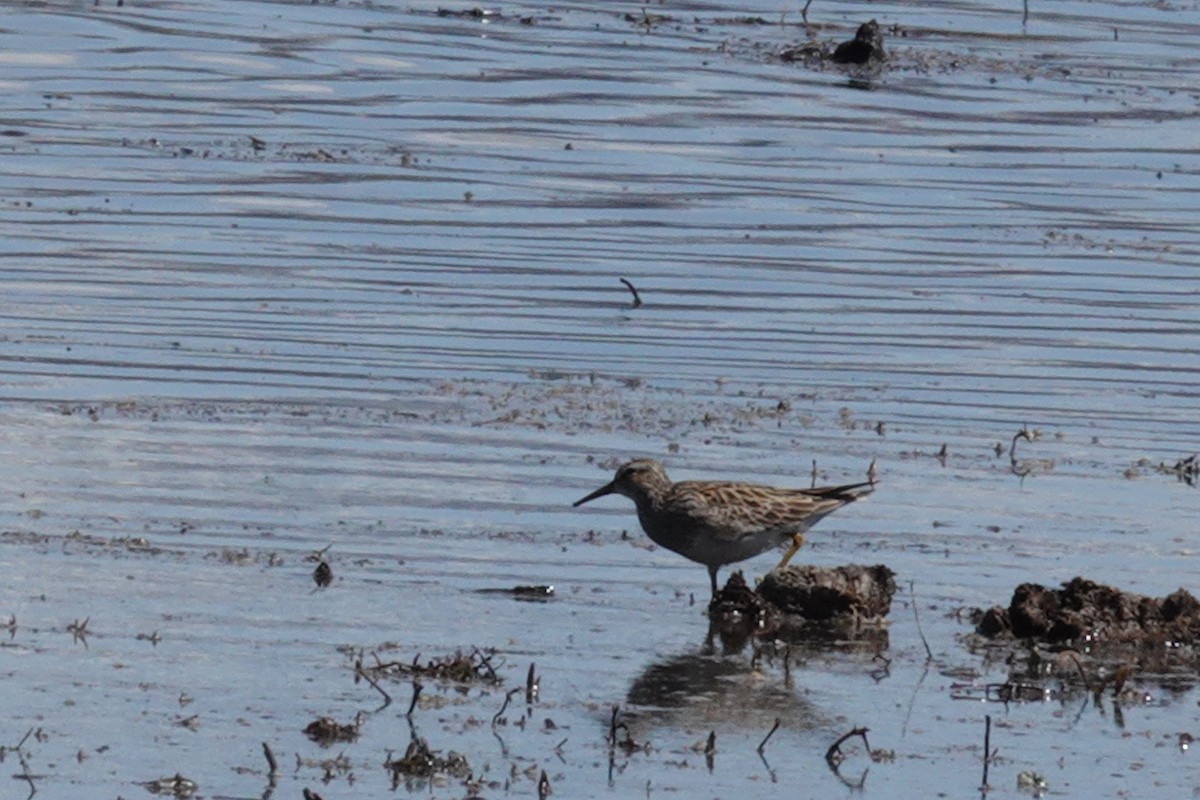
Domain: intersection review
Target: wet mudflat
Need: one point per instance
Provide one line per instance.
(280, 277)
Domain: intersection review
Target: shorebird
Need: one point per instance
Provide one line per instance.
(866, 45)
(715, 523)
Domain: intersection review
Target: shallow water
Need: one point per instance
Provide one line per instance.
(280, 276)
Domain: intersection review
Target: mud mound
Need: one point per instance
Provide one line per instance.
(831, 596)
(820, 594)
(1083, 610)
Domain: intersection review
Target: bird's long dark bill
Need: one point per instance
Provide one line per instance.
(603, 490)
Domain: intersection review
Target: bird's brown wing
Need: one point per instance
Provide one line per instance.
(741, 509)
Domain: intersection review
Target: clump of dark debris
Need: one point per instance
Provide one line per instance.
(1087, 614)
(326, 730)
(419, 761)
(843, 597)
(737, 602)
(473, 667)
(1185, 469)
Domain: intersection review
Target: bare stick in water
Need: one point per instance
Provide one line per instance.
(637, 300)
(917, 617)
(770, 733)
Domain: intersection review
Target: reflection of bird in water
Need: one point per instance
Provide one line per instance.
(743, 693)
(698, 691)
(721, 522)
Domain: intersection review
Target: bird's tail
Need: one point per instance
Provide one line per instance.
(844, 494)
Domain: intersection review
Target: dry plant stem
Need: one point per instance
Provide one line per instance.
(987, 750)
(531, 685)
(637, 300)
(833, 756)
(1012, 449)
(485, 662)
(417, 687)
(387, 698)
(770, 733)
(1082, 675)
(507, 697)
(917, 617)
(272, 765)
(25, 776)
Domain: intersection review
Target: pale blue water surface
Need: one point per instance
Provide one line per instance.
(283, 275)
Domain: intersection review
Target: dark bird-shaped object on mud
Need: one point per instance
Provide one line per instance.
(867, 45)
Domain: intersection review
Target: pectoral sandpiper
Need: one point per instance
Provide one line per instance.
(721, 522)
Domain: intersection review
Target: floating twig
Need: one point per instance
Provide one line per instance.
(770, 733)
(814, 474)
(804, 11)
(637, 300)
(710, 749)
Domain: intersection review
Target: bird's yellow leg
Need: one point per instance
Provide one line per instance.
(797, 542)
